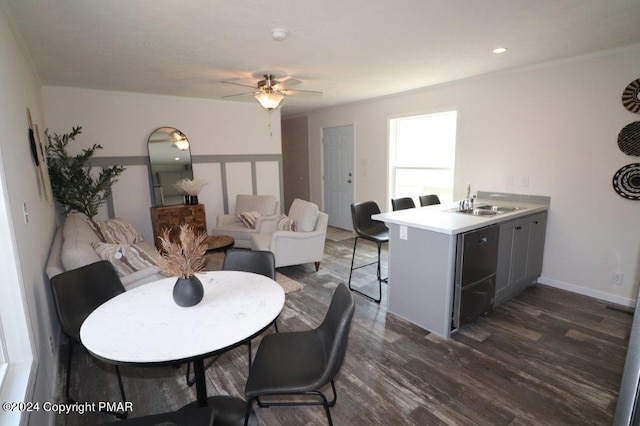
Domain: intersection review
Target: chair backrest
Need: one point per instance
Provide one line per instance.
(429, 200)
(334, 331)
(402, 203)
(305, 215)
(361, 216)
(256, 261)
(266, 205)
(80, 291)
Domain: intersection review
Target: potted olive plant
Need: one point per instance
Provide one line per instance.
(72, 183)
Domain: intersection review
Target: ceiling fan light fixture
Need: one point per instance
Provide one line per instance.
(269, 100)
(182, 145)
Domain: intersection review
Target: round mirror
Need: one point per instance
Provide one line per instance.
(170, 161)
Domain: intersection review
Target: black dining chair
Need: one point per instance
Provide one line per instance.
(243, 260)
(429, 200)
(257, 261)
(302, 362)
(77, 293)
(402, 203)
(205, 416)
(371, 230)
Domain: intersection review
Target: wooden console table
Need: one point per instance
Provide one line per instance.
(171, 217)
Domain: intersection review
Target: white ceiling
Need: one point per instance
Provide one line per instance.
(349, 49)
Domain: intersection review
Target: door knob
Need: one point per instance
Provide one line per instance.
(349, 181)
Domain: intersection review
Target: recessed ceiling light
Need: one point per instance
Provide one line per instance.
(499, 50)
(279, 34)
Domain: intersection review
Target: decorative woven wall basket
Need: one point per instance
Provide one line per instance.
(631, 96)
(626, 181)
(629, 139)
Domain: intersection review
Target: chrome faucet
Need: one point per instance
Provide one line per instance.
(467, 203)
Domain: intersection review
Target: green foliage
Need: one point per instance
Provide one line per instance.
(72, 184)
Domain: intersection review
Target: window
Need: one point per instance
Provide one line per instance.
(16, 355)
(422, 155)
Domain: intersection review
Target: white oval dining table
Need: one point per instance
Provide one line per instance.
(144, 326)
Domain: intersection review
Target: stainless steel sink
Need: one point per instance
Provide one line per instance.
(485, 210)
(499, 209)
(475, 212)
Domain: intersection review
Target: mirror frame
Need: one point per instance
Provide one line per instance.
(161, 144)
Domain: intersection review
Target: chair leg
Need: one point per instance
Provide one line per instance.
(353, 256)
(123, 414)
(249, 352)
(275, 325)
(248, 412)
(191, 382)
(317, 264)
(324, 402)
(68, 379)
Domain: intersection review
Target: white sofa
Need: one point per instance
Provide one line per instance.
(304, 245)
(230, 224)
(73, 247)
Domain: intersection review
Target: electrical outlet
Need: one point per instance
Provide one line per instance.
(524, 181)
(510, 180)
(51, 344)
(403, 232)
(617, 278)
(25, 213)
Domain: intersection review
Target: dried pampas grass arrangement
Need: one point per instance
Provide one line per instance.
(185, 257)
(190, 186)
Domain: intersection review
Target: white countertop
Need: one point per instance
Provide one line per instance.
(436, 218)
(144, 324)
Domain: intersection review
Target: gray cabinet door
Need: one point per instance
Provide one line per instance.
(504, 261)
(512, 258)
(537, 231)
(520, 253)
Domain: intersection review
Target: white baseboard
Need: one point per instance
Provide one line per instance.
(624, 301)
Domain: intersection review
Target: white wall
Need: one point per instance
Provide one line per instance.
(20, 90)
(122, 122)
(556, 124)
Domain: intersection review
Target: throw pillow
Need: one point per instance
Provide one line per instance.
(117, 231)
(124, 257)
(285, 223)
(248, 219)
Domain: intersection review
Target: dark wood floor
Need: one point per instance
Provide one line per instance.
(547, 357)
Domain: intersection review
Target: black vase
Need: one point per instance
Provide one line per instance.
(188, 291)
(191, 199)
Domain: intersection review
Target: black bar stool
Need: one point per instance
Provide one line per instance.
(429, 200)
(371, 230)
(402, 203)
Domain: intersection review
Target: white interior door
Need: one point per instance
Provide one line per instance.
(338, 178)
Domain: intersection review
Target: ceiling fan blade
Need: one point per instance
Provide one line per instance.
(305, 93)
(238, 84)
(238, 95)
(285, 84)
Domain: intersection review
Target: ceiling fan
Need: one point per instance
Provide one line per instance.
(270, 92)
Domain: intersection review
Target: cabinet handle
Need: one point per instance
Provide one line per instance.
(518, 228)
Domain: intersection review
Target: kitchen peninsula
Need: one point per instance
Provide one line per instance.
(426, 257)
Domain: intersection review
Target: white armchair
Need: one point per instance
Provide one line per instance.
(305, 245)
(230, 224)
